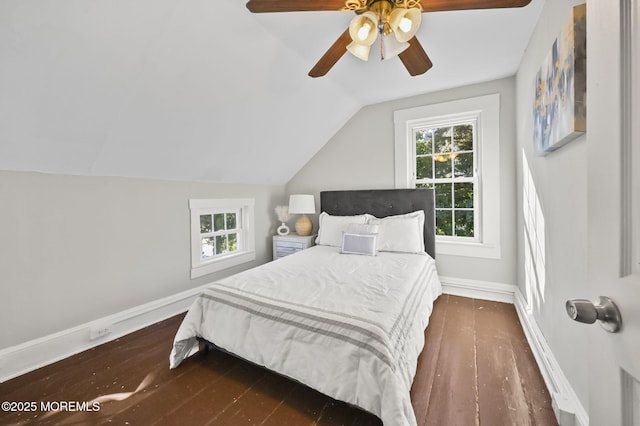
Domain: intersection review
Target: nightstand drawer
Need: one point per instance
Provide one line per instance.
(284, 245)
(288, 244)
(284, 251)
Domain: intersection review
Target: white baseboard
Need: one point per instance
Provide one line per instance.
(28, 356)
(566, 405)
(485, 290)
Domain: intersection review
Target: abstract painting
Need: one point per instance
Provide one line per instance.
(560, 108)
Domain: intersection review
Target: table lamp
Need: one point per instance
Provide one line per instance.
(302, 204)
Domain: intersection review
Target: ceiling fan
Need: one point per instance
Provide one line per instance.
(394, 21)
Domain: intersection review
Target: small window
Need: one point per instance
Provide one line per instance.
(221, 234)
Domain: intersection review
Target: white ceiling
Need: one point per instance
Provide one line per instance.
(205, 90)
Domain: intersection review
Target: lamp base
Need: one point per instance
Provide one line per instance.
(304, 226)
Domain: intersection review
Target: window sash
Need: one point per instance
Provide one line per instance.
(453, 208)
(432, 181)
(216, 254)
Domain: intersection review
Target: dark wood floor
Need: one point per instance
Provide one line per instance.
(476, 369)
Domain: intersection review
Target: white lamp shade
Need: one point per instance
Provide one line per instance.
(360, 51)
(302, 204)
(391, 47)
(405, 22)
(363, 29)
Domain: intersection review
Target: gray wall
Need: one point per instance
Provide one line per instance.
(74, 249)
(361, 156)
(560, 179)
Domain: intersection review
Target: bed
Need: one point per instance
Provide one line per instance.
(368, 312)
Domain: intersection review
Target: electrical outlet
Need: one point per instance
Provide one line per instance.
(98, 331)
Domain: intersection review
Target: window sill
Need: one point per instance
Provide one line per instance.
(468, 249)
(222, 263)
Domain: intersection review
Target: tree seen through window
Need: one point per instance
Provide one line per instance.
(445, 161)
(219, 234)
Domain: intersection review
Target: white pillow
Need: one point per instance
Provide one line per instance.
(331, 228)
(401, 233)
(366, 228)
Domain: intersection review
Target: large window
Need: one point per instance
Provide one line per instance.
(221, 234)
(453, 147)
(445, 160)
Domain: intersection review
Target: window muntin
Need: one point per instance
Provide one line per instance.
(446, 160)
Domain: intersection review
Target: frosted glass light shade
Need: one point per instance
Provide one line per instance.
(368, 21)
(360, 51)
(405, 22)
(391, 47)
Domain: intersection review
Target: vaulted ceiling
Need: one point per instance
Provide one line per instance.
(205, 90)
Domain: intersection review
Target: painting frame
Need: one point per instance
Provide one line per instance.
(560, 104)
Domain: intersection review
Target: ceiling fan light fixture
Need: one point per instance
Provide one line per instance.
(391, 47)
(405, 22)
(363, 28)
(405, 17)
(360, 51)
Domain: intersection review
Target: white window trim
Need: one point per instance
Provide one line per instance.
(487, 109)
(247, 251)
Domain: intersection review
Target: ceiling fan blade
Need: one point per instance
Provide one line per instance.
(443, 5)
(415, 59)
(331, 56)
(261, 6)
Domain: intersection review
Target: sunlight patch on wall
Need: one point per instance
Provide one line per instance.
(534, 242)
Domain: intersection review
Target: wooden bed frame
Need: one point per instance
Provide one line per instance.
(385, 202)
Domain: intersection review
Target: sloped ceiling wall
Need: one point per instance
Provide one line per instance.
(204, 90)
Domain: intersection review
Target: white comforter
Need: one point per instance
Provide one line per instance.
(349, 326)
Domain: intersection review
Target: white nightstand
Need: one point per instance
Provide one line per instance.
(284, 245)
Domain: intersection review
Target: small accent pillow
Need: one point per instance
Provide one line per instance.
(360, 239)
(331, 228)
(401, 233)
(359, 244)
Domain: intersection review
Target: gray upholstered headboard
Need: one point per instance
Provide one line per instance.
(382, 203)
